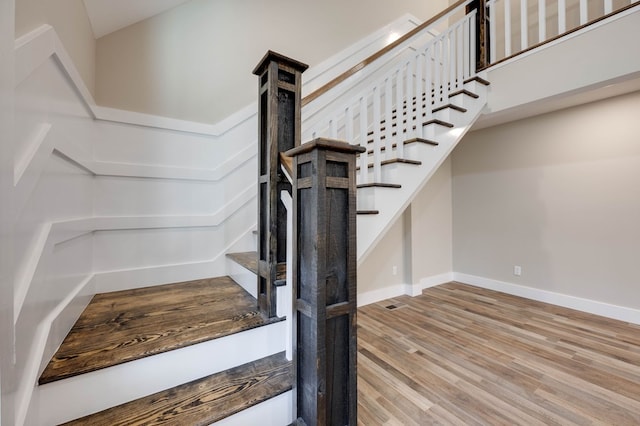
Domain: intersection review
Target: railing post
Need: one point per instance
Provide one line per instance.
(482, 33)
(279, 88)
(324, 282)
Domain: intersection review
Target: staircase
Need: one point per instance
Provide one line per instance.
(199, 352)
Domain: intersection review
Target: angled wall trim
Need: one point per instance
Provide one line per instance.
(35, 47)
(104, 168)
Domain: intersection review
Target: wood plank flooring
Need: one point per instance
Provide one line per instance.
(460, 355)
(202, 401)
(127, 325)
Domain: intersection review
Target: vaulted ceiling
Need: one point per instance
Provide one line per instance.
(107, 16)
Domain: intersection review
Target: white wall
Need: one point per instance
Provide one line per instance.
(70, 20)
(7, 381)
(558, 195)
(194, 62)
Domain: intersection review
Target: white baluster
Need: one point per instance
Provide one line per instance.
(492, 31)
(364, 170)
(418, 94)
(460, 60)
(524, 25)
(467, 50)
(400, 107)
(333, 128)
(453, 57)
(445, 66)
(348, 124)
(562, 16)
(436, 71)
(472, 46)
(409, 104)
(608, 6)
(507, 28)
(428, 80)
(388, 117)
(377, 145)
(542, 20)
(584, 12)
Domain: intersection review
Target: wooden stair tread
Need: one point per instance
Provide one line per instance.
(127, 325)
(368, 212)
(249, 260)
(395, 161)
(406, 142)
(246, 259)
(464, 92)
(205, 400)
(478, 79)
(379, 185)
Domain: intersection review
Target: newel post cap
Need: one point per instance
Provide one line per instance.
(272, 56)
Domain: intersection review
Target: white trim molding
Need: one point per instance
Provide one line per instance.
(595, 307)
(374, 296)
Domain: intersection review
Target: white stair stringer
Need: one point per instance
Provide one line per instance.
(391, 202)
(75, 397)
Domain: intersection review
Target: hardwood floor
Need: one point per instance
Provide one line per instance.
(460, 355)
(127, 325)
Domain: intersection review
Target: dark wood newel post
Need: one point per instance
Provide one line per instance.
(279, 129)
(324, 282)
(482, 33)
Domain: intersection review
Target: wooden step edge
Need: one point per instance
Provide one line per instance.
(368, 212)
(439, 123)
(249, 261)
(246, 259)
(450, 106)
(203, 401)
(393, 161)
(477, 79)
(464, 92)
(379, 185)
(421, 140)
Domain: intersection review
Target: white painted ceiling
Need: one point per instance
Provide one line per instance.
(107, 16)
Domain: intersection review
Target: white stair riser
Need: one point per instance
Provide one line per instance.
(79, 396)
(276, 411)
(243, 276)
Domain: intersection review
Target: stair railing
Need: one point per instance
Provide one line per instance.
(394, 106)
(542, 21)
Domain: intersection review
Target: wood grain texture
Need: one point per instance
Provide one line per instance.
(203, 401)
(462, 355)
(249, 260)
(132, 324)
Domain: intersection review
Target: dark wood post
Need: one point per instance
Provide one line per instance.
(324, 282)
(280, 82)
(482, 33)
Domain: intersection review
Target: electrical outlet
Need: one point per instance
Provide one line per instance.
(394, 270)
(517, 270)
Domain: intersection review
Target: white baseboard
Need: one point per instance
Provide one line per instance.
(621, 313)
(369, 297)
(435, 280)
